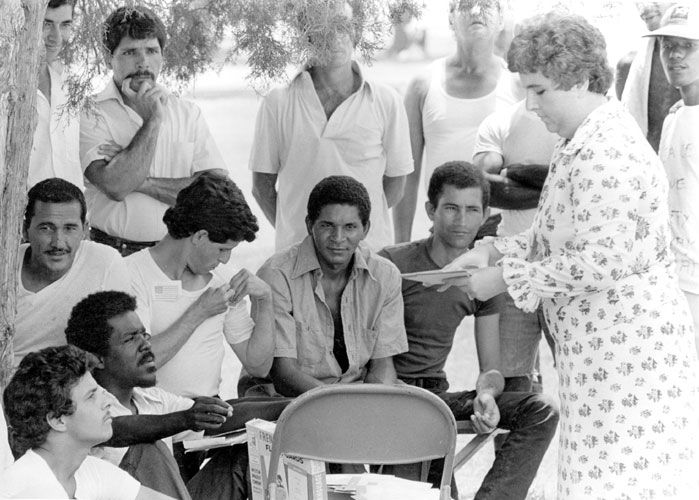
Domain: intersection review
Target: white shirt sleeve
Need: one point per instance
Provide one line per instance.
(206, 153)
(97, 479)
(265, 156)
(491, 134)
(237, 324)
(396, 137)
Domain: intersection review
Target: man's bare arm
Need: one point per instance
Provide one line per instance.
(487, 334)
(404, 210)
(381, 371)
(393, 188)
(289, 379)
(265, 193)
(506, 193)
(166, 189)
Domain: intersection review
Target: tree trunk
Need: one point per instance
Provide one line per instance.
(20, 22)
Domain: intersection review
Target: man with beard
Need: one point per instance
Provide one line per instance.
(56, 267)
(141, 145)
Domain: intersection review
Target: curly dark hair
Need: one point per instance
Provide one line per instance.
(137, 22)
(213, 203)
(460, 174)
(39, 388)
(87, 326)
(54, 4)
(339, 190)
(53, 190)
(565, 48)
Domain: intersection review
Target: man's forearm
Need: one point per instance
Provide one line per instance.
(509, 195)
(289, 380)
(393, 188)
(166, 189)
(135, 429)
(381, 371)
(260, 348)
(404, 211)
(265, 193)
(491, 382)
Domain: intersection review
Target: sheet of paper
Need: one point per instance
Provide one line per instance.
(437, 276)
(210, 442)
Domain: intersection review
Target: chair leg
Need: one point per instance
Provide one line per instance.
(465, 454)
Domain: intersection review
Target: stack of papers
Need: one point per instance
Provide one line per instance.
(379, 487)
(218, 441)
(437, 276)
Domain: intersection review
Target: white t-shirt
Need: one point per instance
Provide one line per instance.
(5, 452)
(42, 316)
(148, 401)
(95, 479)
(519, 136)
(678, 151)
(55, 149)
(185, 146)
(196, 368)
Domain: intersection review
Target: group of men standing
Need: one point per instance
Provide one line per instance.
(332, 154)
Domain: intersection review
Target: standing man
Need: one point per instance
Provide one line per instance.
(57, 413)
(330, 121)
(679, 42)
(647, 94)
(458, 205)
(162, 141)
(337, 306)
(513, 143)
(57, 133)
(57, 267)
(447, 104)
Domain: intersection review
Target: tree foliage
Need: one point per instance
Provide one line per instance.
(271, 34)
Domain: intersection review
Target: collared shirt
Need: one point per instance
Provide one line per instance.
(56, 136)
(184, 146)
(366, 137)
(371, 309)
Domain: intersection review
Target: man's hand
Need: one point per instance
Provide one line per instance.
(486, 414)
(245, 283)
(212, 302)
(148, 102)
(207, 414)
(109, 150)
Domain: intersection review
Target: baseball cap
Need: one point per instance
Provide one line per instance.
(680, 20)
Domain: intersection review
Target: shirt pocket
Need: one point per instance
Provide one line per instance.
(361, 144)
(310, 345)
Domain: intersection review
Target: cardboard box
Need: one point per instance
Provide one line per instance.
(297, 478)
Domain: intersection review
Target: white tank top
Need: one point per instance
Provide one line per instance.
(450, 124)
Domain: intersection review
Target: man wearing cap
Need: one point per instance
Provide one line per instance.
(679, 42)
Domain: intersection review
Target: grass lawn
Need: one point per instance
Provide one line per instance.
(229, 107)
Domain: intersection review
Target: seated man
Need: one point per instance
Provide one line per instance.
(458, 196)
(106, 325)
(338, 308)
(57, 412)
(191, 301)
(57, 268)
(140, 145)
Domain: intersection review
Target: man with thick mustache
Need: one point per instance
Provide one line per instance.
(56, 267)
(140, 145)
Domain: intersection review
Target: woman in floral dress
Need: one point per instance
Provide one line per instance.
(598, 258)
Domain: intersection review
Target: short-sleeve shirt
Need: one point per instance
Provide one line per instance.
(365, 138)
(196, 368)
(520, 137)
(185, 146)
(148, 401)
(31, 477)
(42, 316)
(371, 310)
(431, 317)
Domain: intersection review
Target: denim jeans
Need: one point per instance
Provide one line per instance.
(531, 419)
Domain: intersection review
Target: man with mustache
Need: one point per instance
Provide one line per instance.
(57, 267)
(106, 325)
(57, 412)
(679, 53)
(141, 145)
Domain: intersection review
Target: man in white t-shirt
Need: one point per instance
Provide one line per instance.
(140, 145)
(330, 120)
(679, 53)
(447, 103)
(57, 413)
(106, 325)
(189, 299)
(57, 267)
(57, 133)
(513, 143)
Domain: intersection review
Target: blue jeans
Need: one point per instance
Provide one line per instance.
(531, 419)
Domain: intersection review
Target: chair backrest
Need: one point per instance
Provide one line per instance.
(367, 423)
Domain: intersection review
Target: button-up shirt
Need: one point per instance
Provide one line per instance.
(371, 308)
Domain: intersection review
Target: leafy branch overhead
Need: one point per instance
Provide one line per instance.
(271, 34)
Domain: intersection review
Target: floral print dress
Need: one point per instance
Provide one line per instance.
(597, 258)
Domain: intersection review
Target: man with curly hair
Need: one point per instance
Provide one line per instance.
(190, 299)
(330, 120)
(141, 145)
(57, 412)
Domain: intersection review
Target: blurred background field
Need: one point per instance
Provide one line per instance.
(230, 104)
